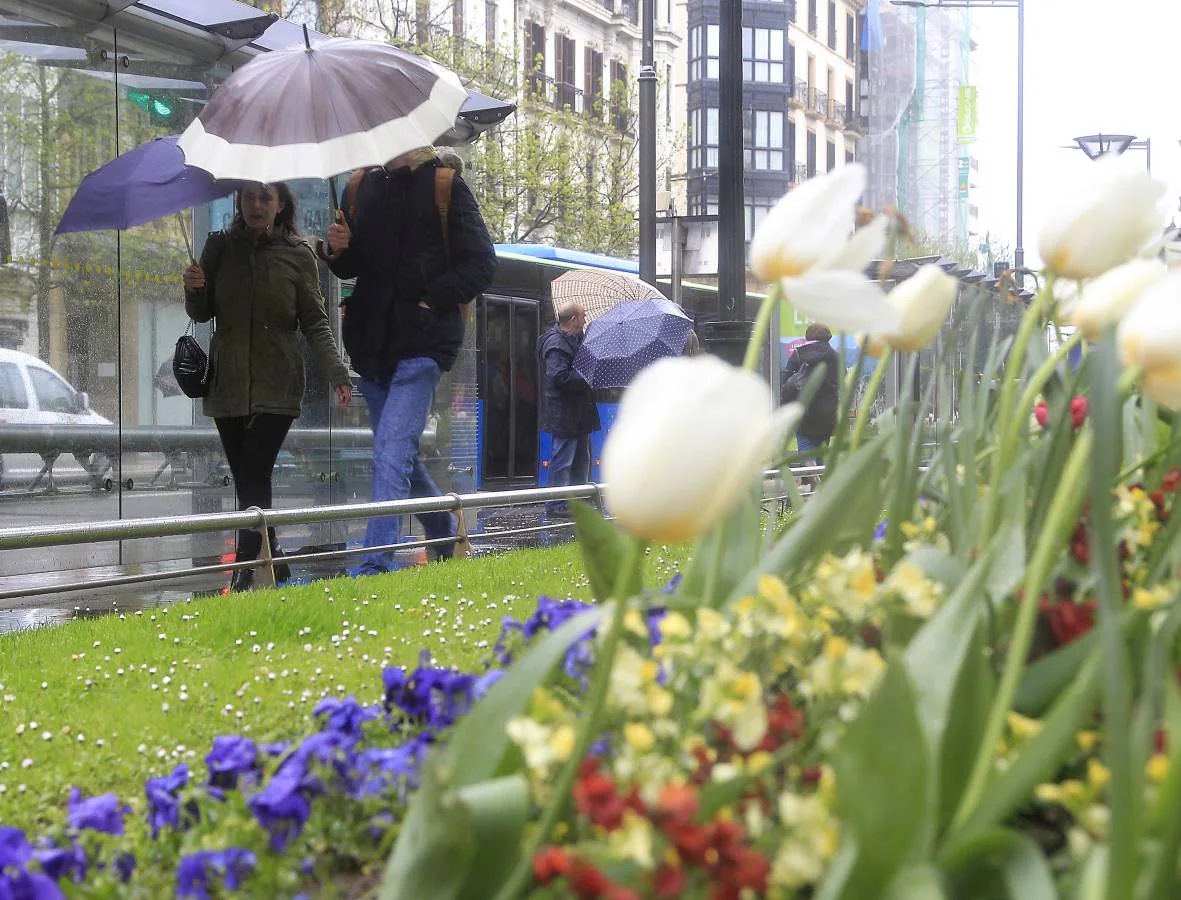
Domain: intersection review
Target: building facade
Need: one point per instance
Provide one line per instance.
(801, 112)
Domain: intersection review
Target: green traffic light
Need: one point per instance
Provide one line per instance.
(157, 107)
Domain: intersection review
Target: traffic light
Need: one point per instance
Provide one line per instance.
(162, 109)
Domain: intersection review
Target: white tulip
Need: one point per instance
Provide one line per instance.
(1150, 338)
(922, 303)
(811, 229)
(691, 434)
(1104, 300)
(1104, 221)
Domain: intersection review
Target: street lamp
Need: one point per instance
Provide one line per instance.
(1097, 145)
(1019, 5)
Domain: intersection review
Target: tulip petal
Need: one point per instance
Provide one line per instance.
(868, 244)
(1104, 300)
(923, 302)
(842, 300)
(809, 225)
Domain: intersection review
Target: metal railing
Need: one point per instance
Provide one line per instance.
(171, 526)
(799, 91)
(818, 103)
(837, 113)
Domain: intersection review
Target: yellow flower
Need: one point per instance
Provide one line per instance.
(758, 762)
(711, 625)
(1097, 774)
(1022, 727)
(835, 648)
(534, 741)
(638, 736)
(675, 627)
(1048, 793)
(633, 840)
(774, 590)
(634, 622)
(1087, 740)
(1158, 768)
(919, 593)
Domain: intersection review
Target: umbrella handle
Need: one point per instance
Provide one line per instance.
(184, 233)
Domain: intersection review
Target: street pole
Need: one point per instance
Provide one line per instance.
(648, 144)
(1019, 253)
(731, 227)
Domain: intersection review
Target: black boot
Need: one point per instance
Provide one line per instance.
(242, 580)
(282, 570)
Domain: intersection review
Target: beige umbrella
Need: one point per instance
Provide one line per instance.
(598, 291)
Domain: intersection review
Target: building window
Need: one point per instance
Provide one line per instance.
(619, 91)
(850, 38)
(564, 67)
(756, 209)
(811, 153)
(848, 156)
(535, 57)
(832, 25)
(704, 43)
(593, 76)
(491, 26)
(813, 25)
(790, 145)
(763, 139)
(702, 206)
(849, 100)
(832, 156)
(703, 138)
(762, 55)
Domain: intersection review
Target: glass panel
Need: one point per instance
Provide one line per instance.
(58, 294)
(13, 395)
(525, 389)
(495, 390)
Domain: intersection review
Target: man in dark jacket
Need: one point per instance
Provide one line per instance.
(568, 410)
(403, 325)
(820, 418)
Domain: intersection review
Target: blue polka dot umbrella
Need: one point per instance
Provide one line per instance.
(629, 336)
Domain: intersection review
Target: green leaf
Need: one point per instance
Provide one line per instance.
(1044, 680)
(603, 546)
(881, 796)
(498, 810)
(815, 531)
(1008, 571)
(1159, 879)
(966, 723)
(1037, 761)
(725, 554)
(435, 846)
(916, 883)
(1093, 882)
(481, 738)
(1008, 859)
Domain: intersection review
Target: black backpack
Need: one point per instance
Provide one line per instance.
(793, 385)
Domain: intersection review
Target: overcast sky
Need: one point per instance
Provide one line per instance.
(1090, 66)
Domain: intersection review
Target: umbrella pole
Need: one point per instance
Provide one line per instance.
(184, 233)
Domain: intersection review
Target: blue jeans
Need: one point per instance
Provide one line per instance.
(806, 444)
(398, 410)
(570, 463)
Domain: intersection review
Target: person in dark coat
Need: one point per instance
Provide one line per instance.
(568, 410)
(260, 282)
(403, 325)
(820, 418)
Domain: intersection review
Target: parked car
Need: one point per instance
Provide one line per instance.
(33, 393)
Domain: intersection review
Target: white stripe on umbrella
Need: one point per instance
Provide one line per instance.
(252, 162)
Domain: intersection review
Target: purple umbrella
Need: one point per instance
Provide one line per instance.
(145, 183)
(628, 337)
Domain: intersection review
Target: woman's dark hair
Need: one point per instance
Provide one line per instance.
(817, 332)
(287, 216)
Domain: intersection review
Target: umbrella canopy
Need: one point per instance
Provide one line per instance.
(316, 112)
(145, 183)
(625, 339)
(599, 292)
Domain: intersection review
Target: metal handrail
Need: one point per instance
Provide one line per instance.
(166, 526)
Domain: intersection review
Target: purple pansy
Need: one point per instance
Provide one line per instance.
(231, 758)
(102, 813)
(380, 769)
(163, 802)
(194, 872)
(62, 862)
(428, 695)
(346, 716)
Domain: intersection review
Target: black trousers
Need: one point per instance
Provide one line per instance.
(252, 445)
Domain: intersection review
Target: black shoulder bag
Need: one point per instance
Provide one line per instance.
(191, 365)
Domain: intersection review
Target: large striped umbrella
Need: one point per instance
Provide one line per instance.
(318, 111)
(598, 291)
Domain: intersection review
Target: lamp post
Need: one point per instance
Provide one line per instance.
(1097, 145)
(647, 144)
(1019, 5)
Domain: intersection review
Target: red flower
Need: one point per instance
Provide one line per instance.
(1078, 411)
(751, 869)
(691, 842)
(1041, 412)
(587, 882)
(550, 863)
(619, 892)
(1069, 620)
(1078, 545)
(676, 804)
(1171, 481)
(784, 723)
(669, 882)
(1160, 741)
(812, 775)
(596, 798)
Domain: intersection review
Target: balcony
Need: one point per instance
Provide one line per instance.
(558, 94)
(856, 123)
(799, 94)
(836, 113)
(817, 104)
(798, 173)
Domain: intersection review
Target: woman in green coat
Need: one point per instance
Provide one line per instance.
(259, 282)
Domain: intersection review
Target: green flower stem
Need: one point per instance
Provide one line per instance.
(587, 731)
(1012, 427)
(871, 393)
(1030, 323)
(758, 334)
(1064, 509)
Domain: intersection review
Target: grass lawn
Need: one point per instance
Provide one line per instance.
(101, 704)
